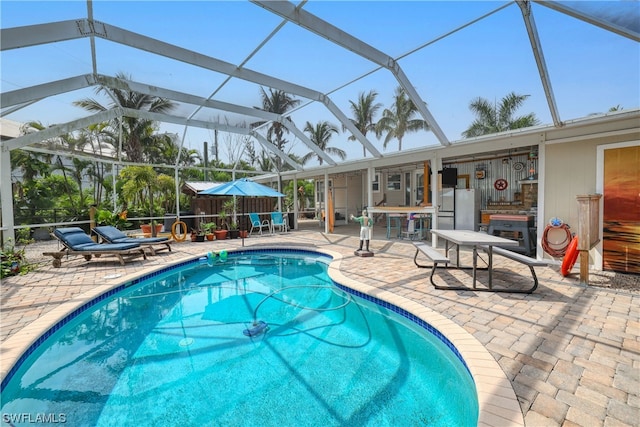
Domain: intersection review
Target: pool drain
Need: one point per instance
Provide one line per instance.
(185, 342)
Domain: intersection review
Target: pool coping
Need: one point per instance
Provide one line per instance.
(497, 402)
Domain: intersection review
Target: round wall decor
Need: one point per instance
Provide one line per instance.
(500, 184)
(518, 166)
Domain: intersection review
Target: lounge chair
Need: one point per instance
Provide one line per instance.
(110, 234)
(278, 220)
(77, 242)
(256, 224)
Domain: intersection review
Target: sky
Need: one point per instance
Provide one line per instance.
(591, 69)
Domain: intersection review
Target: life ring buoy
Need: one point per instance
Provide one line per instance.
(570, 257)
(500, 184)
(182, 237)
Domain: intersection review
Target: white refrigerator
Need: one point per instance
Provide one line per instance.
(467, 208)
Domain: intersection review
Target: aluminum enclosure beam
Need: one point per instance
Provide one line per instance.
(71, 29)
(302, 137)
(211, 125)
(271, 147)
(339, 37)
(38, 92)
(57, 130)
(33, 35)
(35, 93)
(534, 39)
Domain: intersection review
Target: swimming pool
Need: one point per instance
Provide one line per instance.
(171, 350)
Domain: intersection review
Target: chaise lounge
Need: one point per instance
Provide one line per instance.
(77, 242)
(110, 234)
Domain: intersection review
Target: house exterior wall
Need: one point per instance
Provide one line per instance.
(571, 169)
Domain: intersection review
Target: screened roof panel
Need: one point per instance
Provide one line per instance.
(156, 70)
(591, 69)
(35, 65)
(228, 30)
(40, 12)
(299, 56)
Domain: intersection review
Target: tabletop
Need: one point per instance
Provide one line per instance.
(468, 237)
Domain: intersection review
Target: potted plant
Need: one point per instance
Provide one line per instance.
(221, 233)
(208, 229)
(197, 235)
(147, 229)
(233, 230)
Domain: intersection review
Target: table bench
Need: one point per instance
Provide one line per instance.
(432, 254)
(523, 259)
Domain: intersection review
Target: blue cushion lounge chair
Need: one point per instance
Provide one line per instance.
(77, 242)
(256, 224)
(278, 220)
(110, 234)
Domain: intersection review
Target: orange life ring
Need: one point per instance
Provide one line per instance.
(570, 257)
(500, 184)
(182, 237)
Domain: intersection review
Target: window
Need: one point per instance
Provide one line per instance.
(375, 185)
(394, 182)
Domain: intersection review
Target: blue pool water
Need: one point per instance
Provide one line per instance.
(170, 350)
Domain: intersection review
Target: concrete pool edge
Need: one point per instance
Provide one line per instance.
(498, 405)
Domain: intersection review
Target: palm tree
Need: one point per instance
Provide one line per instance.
(140, 182)
(278, 102)
(320, 135)
(492, 118)
(138, 133)
(363, 113)
(398, 120)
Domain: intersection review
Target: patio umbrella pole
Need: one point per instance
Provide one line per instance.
(243, 219)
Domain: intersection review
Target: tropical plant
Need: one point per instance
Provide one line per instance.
(13, 261)
(494, 118)
(229, 208)
(116, 219)
(364, 111)
(140, 184)
(138, 134)
(320, 134)
(208, 227)
(399, 119)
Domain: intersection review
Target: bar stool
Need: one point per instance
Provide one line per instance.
(394, 223)
(412, 233)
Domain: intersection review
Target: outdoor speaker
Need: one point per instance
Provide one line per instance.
(449, 177)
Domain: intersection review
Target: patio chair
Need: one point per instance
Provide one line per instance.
(77, 242)
(257, 224)
(278, 220)
(110, 234)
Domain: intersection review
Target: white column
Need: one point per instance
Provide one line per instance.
(6, 195)
(294, 226)
(436, 165)
(371, 173)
